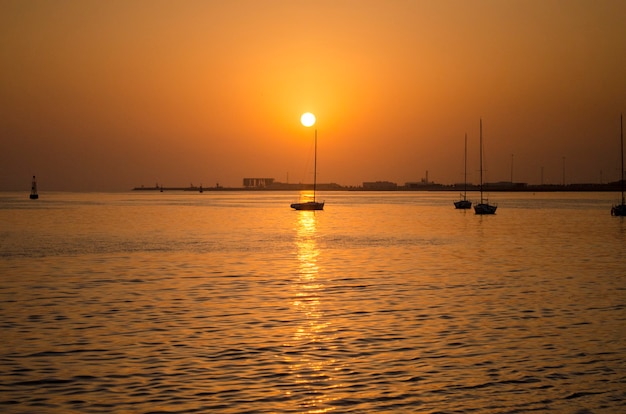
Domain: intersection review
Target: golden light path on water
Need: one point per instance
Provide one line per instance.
(313, 373)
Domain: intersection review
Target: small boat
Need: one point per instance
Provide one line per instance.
(483, 207)
(464, 203)
(33, 190)
(310, 205)
(620, 209)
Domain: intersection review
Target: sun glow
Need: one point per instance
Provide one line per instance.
(307, 119)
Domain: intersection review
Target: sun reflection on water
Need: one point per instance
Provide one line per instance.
(310, 363)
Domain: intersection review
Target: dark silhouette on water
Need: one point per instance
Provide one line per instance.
(311, 205)
(483, 207)
(620, 209)
(464, 203)
(33, 190)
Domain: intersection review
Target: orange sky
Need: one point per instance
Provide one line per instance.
(108, 95)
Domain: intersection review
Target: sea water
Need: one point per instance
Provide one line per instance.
(385, 302)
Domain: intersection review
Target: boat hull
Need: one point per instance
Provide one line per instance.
(463, 204)
(309, 205)
(619, 210)
(484, 208)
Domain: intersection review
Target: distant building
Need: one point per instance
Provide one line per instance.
(257, 182)
(380, 185)
(424, 182)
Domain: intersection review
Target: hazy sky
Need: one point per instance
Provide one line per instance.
(108, 95)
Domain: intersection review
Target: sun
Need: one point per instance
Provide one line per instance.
(307, 119)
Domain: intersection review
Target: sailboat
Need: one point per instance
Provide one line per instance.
(33, 190)
(307, 120)
(464, 203)
(620, 209)
(483, 207)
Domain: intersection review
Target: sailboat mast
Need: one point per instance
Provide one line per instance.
(465, 172)
(481, 161)
(621, 128)
(315, 166)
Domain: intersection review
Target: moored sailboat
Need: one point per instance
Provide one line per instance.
(464, 203)
(483, 207)
(620, 209)
(307, 120)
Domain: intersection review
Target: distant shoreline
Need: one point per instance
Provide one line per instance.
(385, 186)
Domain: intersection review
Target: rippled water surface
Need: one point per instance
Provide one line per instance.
(231, 302)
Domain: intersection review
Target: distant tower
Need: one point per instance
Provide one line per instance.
(33, 190)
